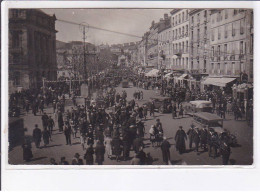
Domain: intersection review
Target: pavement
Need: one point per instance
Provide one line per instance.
(242, 154)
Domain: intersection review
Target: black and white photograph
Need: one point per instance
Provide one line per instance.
(130, 86)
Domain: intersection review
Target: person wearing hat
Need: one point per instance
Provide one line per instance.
(100, 152)
(37, 136)
(89, 155)
(45, 119)
(204, 138)
(196, 138)
(165, 147)
(180, 138)
(27, 150)
(67, 133)
(77, 160)
(63, 161)
(190, 135)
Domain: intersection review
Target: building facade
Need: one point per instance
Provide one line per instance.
(152, 45)
(32, 48)
(199, 22)
(164, 35)
(180, 39)
(231, 43)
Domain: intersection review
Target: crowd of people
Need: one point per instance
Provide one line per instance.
(112, 126)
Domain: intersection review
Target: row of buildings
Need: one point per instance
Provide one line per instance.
(215, 42)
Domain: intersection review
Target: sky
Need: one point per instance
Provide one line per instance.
(130, 21)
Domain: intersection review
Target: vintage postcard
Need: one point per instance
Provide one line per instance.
(132, 86)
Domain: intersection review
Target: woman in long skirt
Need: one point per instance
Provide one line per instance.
(108, 141)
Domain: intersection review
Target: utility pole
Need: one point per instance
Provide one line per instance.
(85, 89)
(84, 28)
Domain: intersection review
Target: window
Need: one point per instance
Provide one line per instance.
(187, 29)
(17, 78)
(173, 34)
(173, 21)
(241, 47)
(187, 46)
(191, 35)
(15, 39)
(226, 31)
(233, 30)
(212, 35)
(218, 50)
(205, 14)
(183, 30)
(233, 67)
(205, 66)
(213, 51)
(187, 61)
(183, 47)
(192, 19)
(179, 31)
(242, 24)
(187, 14)
(251, 43)
(242, 67)
(218, 66)
(235, 11)
(198, 18)
(226, 13)
(179, 18)
(205, 30)
(225, 50)
(182, 16)
(176, 21)
(212, 67)
(219, 34)
(198, 34)
(191, 64)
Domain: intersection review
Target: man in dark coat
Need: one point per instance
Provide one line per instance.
(45, 119)
(89, 155)
(37, 136)
(100, 152)
(116, 147)
(196, 138)
(165, 147)
(190, 135)
(203, 138)
(225, 152)
(60, 121)
(180, 138)
(138, 144)
(67, 133)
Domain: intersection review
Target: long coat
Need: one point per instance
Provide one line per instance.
(116, 146)
(180, 140)
(89, 156)
(100, 151)
(165, 147)
(37, 135)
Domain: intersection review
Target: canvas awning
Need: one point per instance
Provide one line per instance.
(183, 76)
(218, 81)
(152, 73)
(169, 75)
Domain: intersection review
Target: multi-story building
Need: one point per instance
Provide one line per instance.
(164, 36)
(32, 48)
(180, 39)
(199, 40)
(231, 43)
(152, 45)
